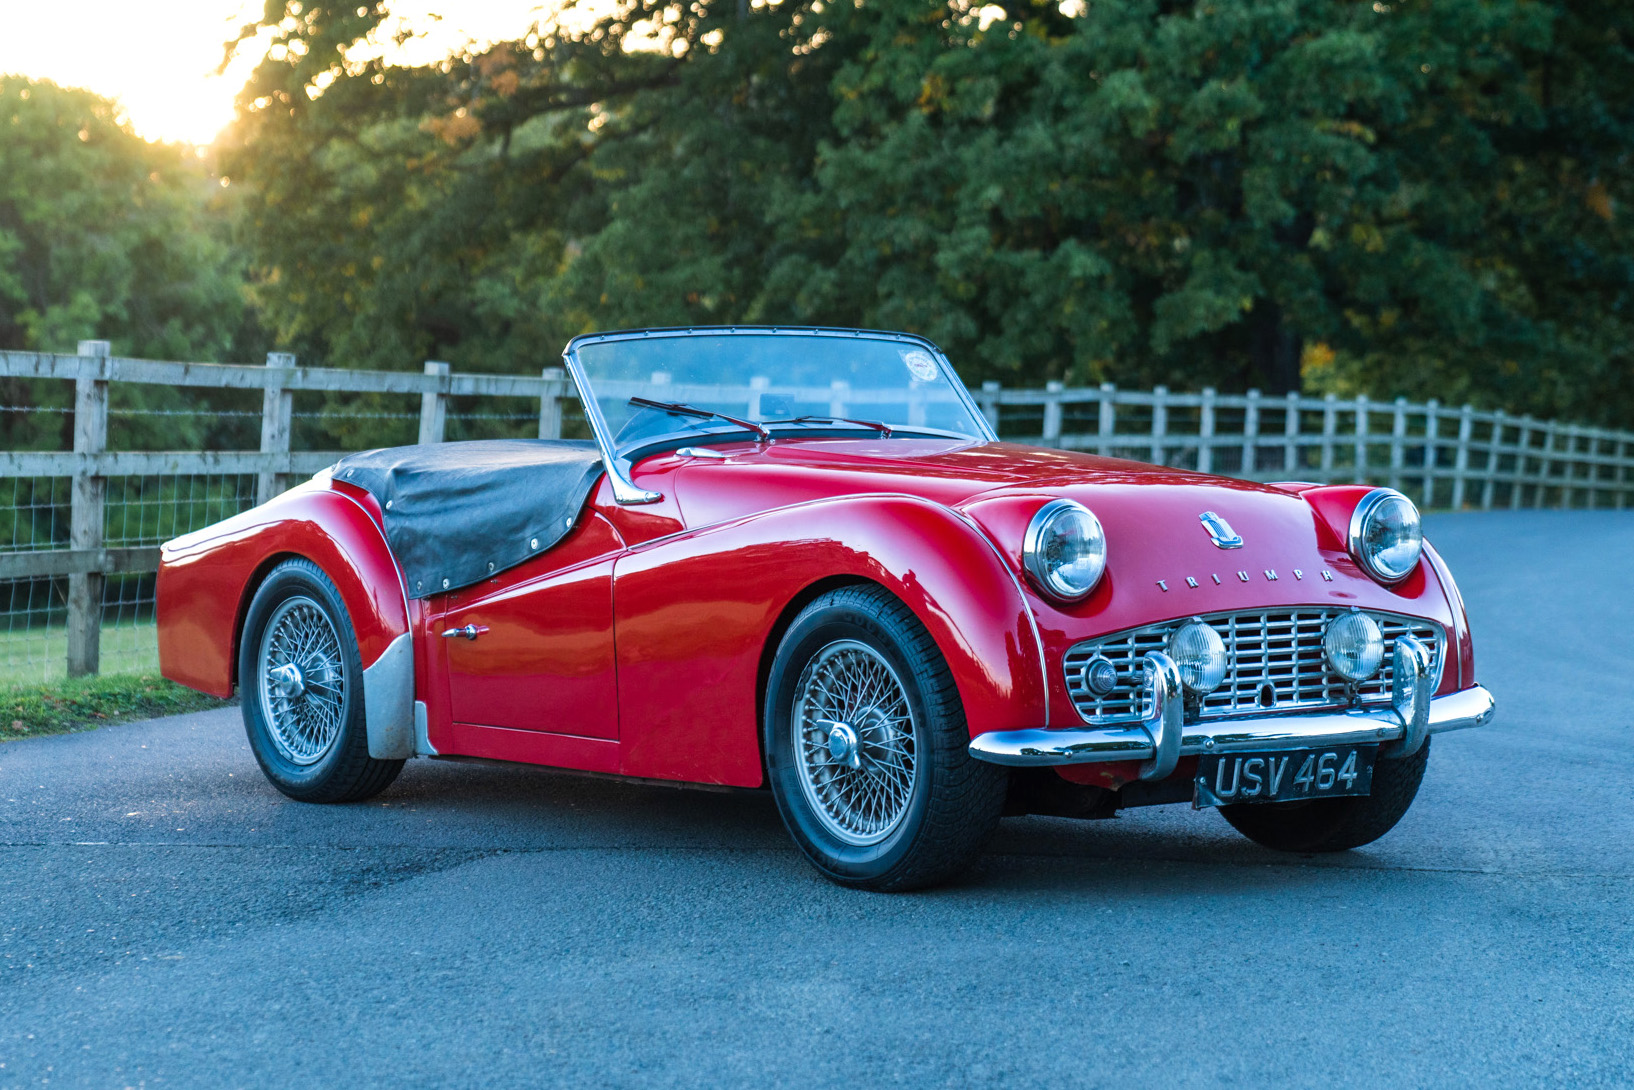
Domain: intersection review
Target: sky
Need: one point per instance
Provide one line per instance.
(163, 70)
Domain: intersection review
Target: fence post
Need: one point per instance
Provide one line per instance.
(1523, 444)
(1432, 420)
(1360, 460)
(1160, 422)
(1398, 443)
(89, 490)
(1494, 439)
(1625, 457)
(1460, 464)
(550, 405)
(1546, 464)
(1109, 419)
(434, 405)
(1052, 414)
(988, 399)
(1569, 467)
(1290, 434)
(277, 409)
(1330, 427)
(1251, 435)
(1205, 432)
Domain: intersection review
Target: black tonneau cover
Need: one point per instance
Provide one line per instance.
(456, 513)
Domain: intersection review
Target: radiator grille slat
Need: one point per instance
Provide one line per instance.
(1281, 649)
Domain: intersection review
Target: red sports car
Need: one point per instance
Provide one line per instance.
(800, 559)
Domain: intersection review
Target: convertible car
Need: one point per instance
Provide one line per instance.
(800, 560)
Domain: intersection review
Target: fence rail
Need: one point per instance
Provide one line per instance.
(77, 557)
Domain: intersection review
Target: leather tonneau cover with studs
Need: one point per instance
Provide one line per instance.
(457, 513)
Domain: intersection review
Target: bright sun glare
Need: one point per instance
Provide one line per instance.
(163, 69)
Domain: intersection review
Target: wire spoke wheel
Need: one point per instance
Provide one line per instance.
(301, 680)
(855, 742)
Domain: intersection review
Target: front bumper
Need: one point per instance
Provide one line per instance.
(1160, 740)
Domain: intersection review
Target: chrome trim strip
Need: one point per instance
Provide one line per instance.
(1473, 707)
(388, 701)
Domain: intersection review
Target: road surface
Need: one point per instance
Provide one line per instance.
(167, 919)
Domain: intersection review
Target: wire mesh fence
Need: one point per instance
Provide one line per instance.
(172, 448)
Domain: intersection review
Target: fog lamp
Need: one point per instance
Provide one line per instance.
(1201, 655)
(1354, 646)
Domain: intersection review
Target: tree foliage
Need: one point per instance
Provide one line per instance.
(104, 235)
(1423, 198)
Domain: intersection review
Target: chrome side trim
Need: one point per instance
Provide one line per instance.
(1474, 707)
(388, 701)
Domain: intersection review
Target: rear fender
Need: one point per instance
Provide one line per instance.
(697, 612)
(207, 579)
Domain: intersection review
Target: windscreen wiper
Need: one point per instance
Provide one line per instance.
(883, 429)
(705, 414)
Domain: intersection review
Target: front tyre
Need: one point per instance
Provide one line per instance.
(1335, 825)
(867, 748)
(301, 690)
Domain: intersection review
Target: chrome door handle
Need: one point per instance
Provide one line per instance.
(470, 631)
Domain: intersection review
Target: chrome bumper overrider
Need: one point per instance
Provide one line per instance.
(1160, 740)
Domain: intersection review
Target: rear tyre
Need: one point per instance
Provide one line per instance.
(301, 690)
(867, 749)
(1335, 825)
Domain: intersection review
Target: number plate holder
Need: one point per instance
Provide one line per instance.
(1284, 775)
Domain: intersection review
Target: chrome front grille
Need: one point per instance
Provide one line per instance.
(1275, 661)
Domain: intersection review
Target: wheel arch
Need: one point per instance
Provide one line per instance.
(700, 614)
(208, 579)
(780, 627)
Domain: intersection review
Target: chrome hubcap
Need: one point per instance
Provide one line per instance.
(854, 742)
(302, 683)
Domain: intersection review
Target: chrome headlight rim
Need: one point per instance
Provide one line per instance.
(1359, 519)
(1032, 553)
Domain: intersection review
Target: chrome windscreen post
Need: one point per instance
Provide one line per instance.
(1410, 696)
(625, 490)
(1162, 680)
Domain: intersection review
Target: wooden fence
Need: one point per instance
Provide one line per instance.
(1446, 457)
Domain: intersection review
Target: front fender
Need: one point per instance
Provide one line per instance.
(207, 578)
(694, 613)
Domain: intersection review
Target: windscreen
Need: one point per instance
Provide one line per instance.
(808, 380)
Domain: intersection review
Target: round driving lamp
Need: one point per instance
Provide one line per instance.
(1386, 536)
(1065, 550)
(1201, 655)
(1354, 646)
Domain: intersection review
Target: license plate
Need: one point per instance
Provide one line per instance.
(1290, 775)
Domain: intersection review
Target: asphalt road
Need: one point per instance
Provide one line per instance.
(166, 918)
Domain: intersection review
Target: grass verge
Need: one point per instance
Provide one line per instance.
(28, 711)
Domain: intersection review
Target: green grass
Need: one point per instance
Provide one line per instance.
(27, 711)
(40, 654)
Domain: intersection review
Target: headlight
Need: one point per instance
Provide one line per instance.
(1201, 655)
(1065, 550)
(1354, 646)
(1385, 535)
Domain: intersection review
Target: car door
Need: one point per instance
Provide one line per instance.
(532, 648)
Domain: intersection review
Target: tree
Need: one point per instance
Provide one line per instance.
(104, 235)
(1412, 197)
